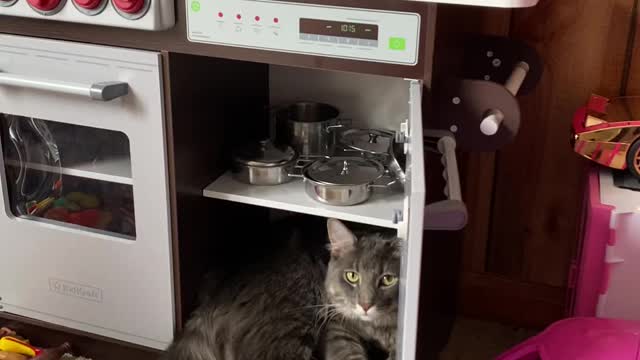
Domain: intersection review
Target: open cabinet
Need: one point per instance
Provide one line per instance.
(368, 101)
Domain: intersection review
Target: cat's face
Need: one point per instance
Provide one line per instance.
(363, 275)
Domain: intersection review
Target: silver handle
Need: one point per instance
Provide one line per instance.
(102, 91)
(298, 167)
(449, 214)
(392, 181)
(329, 129)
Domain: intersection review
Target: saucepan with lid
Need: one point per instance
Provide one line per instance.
(264, 163)
(344, 181)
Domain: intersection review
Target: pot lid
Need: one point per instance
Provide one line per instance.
(344, 171)
(368, 140)
(265, 154)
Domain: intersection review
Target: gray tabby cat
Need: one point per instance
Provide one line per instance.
(278, 309)
(266, 311)
(362, 290)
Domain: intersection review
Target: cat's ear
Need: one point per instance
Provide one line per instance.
(341, 238)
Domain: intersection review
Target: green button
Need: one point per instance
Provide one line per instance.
(195, 6)
(397, 43)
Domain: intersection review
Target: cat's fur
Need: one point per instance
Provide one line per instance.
(352, 331)
(267, 311)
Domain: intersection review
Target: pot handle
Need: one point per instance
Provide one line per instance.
(297, 171)
(387, 175)
(340, 124)
(450, 214)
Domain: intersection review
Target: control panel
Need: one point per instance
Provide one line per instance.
(341, 32)
(136, 14)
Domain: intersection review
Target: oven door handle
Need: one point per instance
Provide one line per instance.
(102, 91)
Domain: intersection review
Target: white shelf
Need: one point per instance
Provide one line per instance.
(116, 170)
(377, 211)
(489, 3)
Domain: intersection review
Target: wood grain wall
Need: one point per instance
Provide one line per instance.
(524, 200)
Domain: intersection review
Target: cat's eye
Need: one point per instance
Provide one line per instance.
(352, 277)
(389, 280)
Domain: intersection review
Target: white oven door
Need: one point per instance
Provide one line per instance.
(84, 226)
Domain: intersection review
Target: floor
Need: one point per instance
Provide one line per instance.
(480, 340)
(471, 340)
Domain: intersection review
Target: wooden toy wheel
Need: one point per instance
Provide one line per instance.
(633, 159)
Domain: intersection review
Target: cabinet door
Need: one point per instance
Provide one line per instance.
(412, 227)
(83, 181)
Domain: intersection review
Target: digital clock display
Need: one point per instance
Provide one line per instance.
(339, 28)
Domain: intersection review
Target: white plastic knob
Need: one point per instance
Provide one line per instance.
(491, 123)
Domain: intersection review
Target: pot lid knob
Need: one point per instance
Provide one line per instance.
(88, 4)
(129, 6)
(44, 5)
(345, 168)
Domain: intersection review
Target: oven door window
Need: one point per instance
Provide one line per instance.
(70, 175)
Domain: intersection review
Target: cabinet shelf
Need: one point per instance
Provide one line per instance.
(116, 170)
(377, 211)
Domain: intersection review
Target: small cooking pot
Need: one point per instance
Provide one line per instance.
(309, 127)
(264, 163)
(343, 181)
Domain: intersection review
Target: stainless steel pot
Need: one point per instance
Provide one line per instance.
(343, 181)
(264, 164)
(309, 127)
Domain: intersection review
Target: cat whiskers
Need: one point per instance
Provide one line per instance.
(326, 313)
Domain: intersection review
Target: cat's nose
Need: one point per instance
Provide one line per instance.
(365, 307)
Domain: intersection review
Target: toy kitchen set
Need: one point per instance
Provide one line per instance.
(119, 120)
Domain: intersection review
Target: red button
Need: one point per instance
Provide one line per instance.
(129, 6)
(239, 17)
(44, 5)
(88, 4)
(257, 18)
(276, 20)
(220, 14)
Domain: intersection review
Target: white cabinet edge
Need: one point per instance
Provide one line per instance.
(413, 229)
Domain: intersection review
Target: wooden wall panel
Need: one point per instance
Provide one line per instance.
(479, 168)
(538, 178)
(616, 73)
(524, 304)
(476, 168)
(632, 84)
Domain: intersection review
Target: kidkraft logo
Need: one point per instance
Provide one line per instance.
(69, 288)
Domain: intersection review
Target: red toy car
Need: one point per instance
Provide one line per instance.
(605, 131)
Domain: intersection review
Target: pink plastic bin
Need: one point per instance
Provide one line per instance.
(606, 272)
(581, 339)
